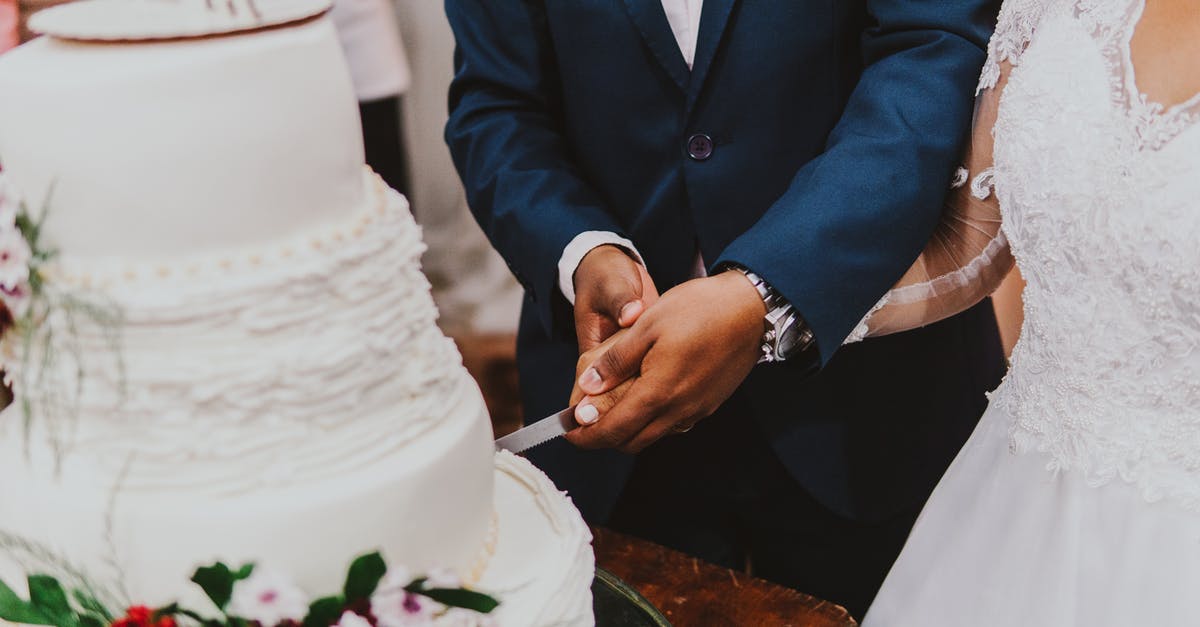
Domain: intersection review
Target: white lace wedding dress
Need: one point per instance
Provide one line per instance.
(1077, 499)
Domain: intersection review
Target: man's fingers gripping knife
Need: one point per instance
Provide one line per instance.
(623, 422)
(621, 361)
(591, 409)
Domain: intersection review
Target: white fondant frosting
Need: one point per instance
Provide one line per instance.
(543, 566)
(156, 150)
(275, 388)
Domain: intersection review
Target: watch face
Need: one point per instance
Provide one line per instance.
(790, 340)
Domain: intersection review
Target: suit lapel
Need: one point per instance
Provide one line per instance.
(652, 22)
(713, 19)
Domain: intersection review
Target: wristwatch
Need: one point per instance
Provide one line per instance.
(786, 335)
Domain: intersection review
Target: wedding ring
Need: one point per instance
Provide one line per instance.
(684, 428)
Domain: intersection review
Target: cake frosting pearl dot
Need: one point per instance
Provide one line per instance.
(386, 204)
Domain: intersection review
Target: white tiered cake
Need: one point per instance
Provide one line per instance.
(272, 387)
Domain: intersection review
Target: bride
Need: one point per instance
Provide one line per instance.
(1077, 499)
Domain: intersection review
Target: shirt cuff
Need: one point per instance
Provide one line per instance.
(579, 247)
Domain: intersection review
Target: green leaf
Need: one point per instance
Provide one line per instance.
(48, 596)
(364, 576)
(324, 612)
(91, 621)
(91, 605)
(466, 599)
(217, 583)
(15, 609)
(244, 572)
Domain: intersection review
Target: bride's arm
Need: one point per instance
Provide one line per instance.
(968, 255)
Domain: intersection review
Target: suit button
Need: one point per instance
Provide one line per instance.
(700, 147)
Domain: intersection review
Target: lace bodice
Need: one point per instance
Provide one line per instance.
(1095, 190)
(1100, 196)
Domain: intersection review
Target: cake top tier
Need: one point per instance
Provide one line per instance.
(150, 20)
(150, 150)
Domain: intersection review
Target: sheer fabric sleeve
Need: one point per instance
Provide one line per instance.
(968, 255)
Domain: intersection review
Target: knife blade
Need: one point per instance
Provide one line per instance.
(540, 432)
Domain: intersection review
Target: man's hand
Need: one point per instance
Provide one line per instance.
(685, 357)
(598, 404)
(611, 292)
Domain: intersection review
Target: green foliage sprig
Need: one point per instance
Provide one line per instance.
(50, 603)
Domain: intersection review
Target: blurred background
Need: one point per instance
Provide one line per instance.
(401, 59)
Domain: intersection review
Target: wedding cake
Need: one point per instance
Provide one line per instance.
(225, 349)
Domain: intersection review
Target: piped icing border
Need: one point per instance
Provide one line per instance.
(164, 20)
(110, 274)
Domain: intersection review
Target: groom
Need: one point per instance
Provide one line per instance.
(771, 167)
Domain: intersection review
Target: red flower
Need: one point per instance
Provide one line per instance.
(142, 616)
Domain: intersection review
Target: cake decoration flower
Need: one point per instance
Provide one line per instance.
(268, 597)
(393, 605)
(15, 255)
(350, 619)
(19, 256)
(372, 596)
(142, 616)
(16, 300)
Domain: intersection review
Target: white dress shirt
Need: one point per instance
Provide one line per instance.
(684, 17)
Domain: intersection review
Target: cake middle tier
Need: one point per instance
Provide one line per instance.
(272, 356)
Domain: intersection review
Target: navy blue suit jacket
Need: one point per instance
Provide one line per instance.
(837, 125)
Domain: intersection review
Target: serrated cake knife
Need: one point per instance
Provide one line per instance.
(540, 432)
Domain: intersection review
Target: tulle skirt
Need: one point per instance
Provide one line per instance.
(1004, 541)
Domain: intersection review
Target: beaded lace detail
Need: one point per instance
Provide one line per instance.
(1098, 190)
(1014, 30)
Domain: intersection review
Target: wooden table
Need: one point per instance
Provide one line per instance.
(694, 593)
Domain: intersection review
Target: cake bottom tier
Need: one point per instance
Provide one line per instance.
(543, 565)
(428, 505)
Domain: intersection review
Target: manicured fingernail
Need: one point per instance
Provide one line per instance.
(590, 380)
(629, 312)
(587, 414)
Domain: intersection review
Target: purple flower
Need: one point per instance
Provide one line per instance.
(269, 598)
(16, 300)
(393, 606)
(15, 256)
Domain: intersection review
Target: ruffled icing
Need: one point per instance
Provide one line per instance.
(306, 358)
